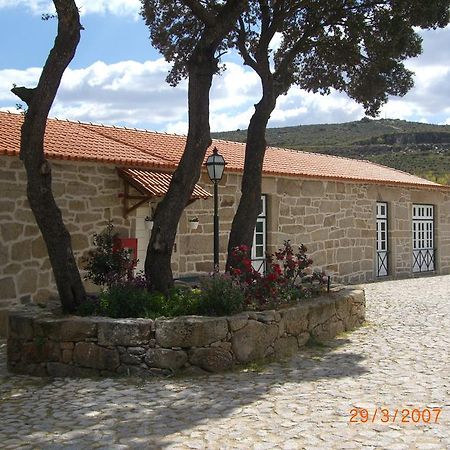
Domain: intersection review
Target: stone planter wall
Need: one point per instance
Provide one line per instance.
(40, 343)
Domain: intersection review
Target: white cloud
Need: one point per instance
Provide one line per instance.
(127, 92)
(34, 6)
(228, 120)
(276, 41)
(116, 7)
(236, 87)
(11, 77)
(180, 127)
(135, 94)
(300, 107)
(427, 100)
(436, 48)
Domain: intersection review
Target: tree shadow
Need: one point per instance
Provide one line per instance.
(146, 412)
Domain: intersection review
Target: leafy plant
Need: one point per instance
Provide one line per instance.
(125, 300)
(90, 306)
(107, 263)
(221, 295)
(288, 277)
(182, 302)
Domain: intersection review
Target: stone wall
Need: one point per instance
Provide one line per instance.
(40, 343)
(87, 195)
(336, 220)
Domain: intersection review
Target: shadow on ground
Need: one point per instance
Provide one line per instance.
(83, 411)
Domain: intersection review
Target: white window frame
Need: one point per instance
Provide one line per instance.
(258, 261)
(382, 240)
(423, 238)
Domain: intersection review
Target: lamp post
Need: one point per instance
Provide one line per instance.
(215, 165)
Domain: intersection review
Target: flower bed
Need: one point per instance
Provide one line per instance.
(47, 344)
(288, 279)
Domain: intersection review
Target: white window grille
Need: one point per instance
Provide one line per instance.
(423, 238)
(259, 246)
(382, 240)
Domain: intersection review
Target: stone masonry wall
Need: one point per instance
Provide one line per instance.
(39, 343)
(87, 197)
(335, 220)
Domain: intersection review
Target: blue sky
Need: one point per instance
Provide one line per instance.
(118, 78)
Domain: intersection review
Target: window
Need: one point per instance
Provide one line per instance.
(382, 239)
(423, 238)
(259, 246)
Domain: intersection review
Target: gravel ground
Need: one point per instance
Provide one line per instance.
(396, 368)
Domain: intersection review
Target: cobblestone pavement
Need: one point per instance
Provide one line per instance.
(399, 360)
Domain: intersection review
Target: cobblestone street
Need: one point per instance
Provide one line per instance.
(399, 360)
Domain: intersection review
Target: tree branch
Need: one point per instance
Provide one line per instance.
(201, 12)
(59, 57)
(265, 15)
(241, 41)
(25, 94)
(229, 10)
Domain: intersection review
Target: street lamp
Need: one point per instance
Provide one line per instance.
(216, 165)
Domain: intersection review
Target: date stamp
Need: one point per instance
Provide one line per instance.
(397, 415)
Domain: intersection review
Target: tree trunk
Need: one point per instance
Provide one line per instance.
(39, 192)
(249, 207)
(158, 269)
(202, 66)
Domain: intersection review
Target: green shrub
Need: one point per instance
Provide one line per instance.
(221, 295)
(122, 301)
(183, 302)
(127, 299)
(90, 306)
(106, 264)
(127, 295)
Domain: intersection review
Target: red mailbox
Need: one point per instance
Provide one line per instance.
(127, 244)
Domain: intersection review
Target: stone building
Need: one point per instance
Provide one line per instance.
(360, 221)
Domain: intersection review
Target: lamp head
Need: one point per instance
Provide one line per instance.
(215, 165)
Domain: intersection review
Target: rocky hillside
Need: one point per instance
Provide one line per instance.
(419, 148)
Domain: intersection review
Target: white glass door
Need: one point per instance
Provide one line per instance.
(259, 246)
(382, 239)
(423, 238)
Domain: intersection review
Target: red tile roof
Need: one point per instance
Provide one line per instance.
(156, 184)
(145, 149)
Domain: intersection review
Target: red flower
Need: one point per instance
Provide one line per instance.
(277, 269)
(272, 276)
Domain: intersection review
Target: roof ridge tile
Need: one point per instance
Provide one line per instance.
(110, 144)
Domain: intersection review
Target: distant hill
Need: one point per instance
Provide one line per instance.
(419, 148)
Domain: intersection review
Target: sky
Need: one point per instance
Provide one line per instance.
(117, 77)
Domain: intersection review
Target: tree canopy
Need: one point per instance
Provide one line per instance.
(353, 46)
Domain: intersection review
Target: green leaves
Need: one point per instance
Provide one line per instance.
(107, 264)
